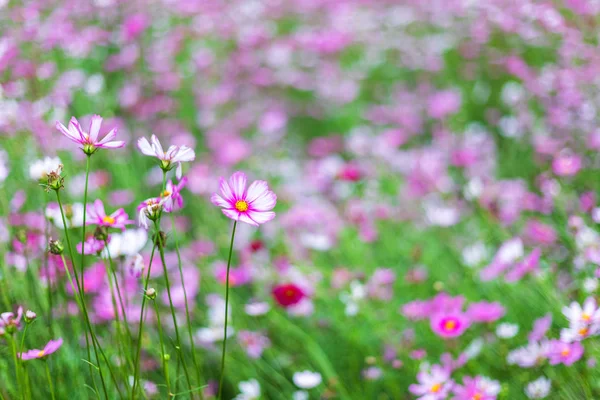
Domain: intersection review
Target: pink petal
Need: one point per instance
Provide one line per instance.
(157, 147)
(233, 214)
(63, 129)
(220, 202)
(256, 189)
(245, 218)
(95, 127)
(112, 145)
(145, 147)
(265, 202)
(75, 127)
(238, 184)
(226, 190)
(109, 136)
(260, 217)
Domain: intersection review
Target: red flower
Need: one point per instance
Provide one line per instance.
(288, 294)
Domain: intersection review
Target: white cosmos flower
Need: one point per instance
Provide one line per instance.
(538, 389)
(307, 379)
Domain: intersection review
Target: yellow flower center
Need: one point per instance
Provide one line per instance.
(41, 353)
(436, 388)
(450, 325)
(166, 193)
(477, 396)
(565, 352)
(583, 331)
(586, 317)
(108, 220)
(241, 205)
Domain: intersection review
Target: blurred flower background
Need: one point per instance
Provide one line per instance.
(434, 164)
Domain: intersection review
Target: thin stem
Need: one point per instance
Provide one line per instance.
(177, 338)
(187, 310)
(20, 386)
(141, 326)
(120, 332)
(47, 268)
(226, 313)
(162, 350)
(79, 293)
(49, 380)
(85, 193)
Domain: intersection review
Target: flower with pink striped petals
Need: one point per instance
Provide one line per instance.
(89, 141)
(251, 205)
(97, 216)
(173, 155)
(50, 348)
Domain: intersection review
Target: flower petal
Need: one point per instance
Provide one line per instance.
(245, 218)
(238, 184)
(95, 127)
(220, 202)
(112, 145)
(226, 190)
(109, 136)
(233, 214)
(145, 147)
(184, 154)
(157, 148)
(63, 129)
(260, 217)
(265, 202)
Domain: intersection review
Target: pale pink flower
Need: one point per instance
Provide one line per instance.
(173, 155)
(251, 205)
(97, 215)
(50, 348)
(89, 141)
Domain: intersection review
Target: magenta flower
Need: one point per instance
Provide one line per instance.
(171, 197)
(50, 348)
(92, 246)
(485, 312)
(89, 141)
(450, 325)
(251, 205)
(173, 155)
(9, 322)
(97, 216)
(564, 353)
(477, 388)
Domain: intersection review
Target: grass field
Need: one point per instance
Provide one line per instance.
(424, 222)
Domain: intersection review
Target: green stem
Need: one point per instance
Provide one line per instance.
(85, 193)
(162, 350)
(187, 310)
(49, 380)
(47, 268)
(112, 275)
(82, 304)
(226, 310)
(20, 387)
(172, 307)
(141, 327)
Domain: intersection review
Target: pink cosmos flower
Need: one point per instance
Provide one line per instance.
(89, 141)
(9, 322)
(50, 348)
(433, 385)
(564, 353)
(450, 325)
(237, 276)
(485, 312)
(97, 216)
(173, 155)
(540, 327)
(566, 164)
(477, 388)
(149, 210)
(92, 246)
(534, 353)
(171, 196)
(254, 343)
(251, 205)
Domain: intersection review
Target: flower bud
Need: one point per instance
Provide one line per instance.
(30, 316)
(54, 180)
(55, 247)
(101, 233)
(151, 293)
(167, 357)
(160, 239)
